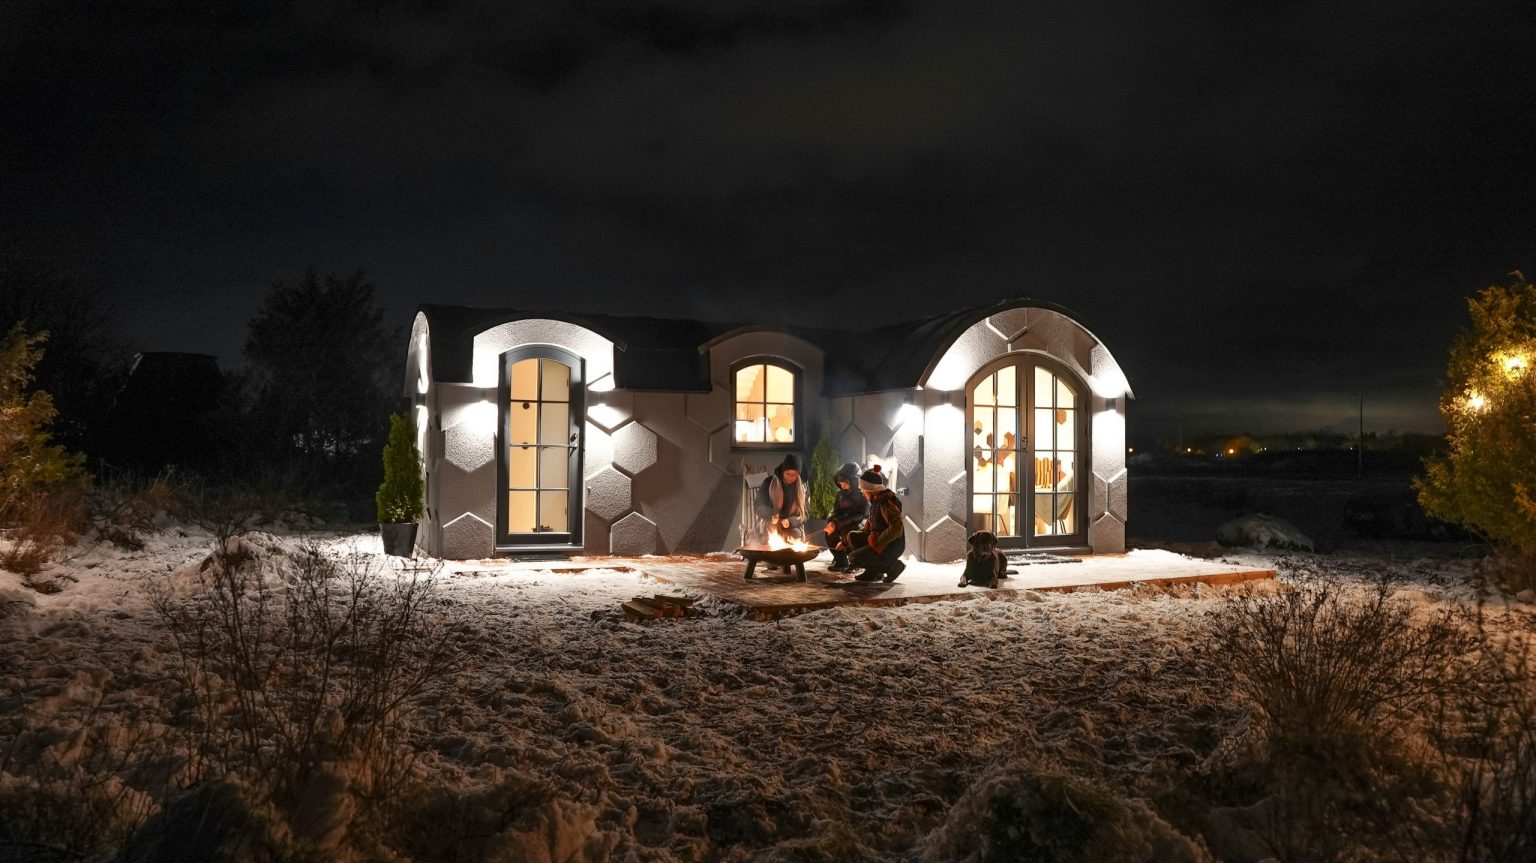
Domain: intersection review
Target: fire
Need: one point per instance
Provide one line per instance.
(777, 542)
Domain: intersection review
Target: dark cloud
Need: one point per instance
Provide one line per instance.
(1257, 205)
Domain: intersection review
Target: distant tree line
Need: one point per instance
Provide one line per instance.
(308, 413)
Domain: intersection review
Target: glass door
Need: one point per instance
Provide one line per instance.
(541, 448)
(1026, 444)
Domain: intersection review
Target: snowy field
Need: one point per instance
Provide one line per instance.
(563, 732)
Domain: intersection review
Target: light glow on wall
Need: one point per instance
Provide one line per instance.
(481, 416)
(422, 378)
(423, 419)
(1108, 384)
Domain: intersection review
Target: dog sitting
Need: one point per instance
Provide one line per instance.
(984, 564)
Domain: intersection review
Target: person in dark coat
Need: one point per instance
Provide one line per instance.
(848, 512)
(780, 503)
(878, 547)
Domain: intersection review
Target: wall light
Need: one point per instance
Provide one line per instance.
(599, 397)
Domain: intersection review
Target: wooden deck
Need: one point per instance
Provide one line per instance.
(773, 594)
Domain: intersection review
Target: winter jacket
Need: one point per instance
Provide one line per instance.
(849, 510)
(885, 523)
(773, 502)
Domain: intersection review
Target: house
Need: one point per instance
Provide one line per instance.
(547, 432)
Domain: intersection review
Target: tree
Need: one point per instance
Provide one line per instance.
(400, 497)
(1486, 480)
(823, 476)
(31, 464)
(323, 378)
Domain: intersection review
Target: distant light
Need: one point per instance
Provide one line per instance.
(1476, 402)
(1515, 365)
(1230, 451)
(1130, 449)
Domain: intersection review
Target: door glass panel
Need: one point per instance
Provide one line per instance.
(553, 466)
(1066, 514)
(552, 512)
(557, 381)
(521, 511)
(983, 394)
(1006, 514)
(521, 465)
(1066, 472)
(1007, 387)
(1043, 387)
(1045, 471)
(1066, 429)
(1044, 424)
(555, 423)
(1065, 397)
(523, 380)
(1044, 524)
(1007, 428)
(521, 422)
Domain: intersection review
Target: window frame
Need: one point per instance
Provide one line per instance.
(798, 405)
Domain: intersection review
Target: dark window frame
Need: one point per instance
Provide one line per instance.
(575, 497)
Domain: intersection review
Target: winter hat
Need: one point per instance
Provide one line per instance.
(849, 471)
(790, 462)
(872, 479)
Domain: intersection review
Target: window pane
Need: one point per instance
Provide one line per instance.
(983, 393)
(985, 477)
(1065, 396)
(781, 423)
(521, 461)
(749, 384)
(520, 422)
(1007, 387)
(1066, 429)
(781, 385)
(552, 512)
(1066, 513)
(1044, 515)
(1044, 424)
(555, 424)
(557, 381)
(554, 470)
(520, 511)
(1007, 471)
(523, 380)
(1043, 383)
(982, 420)
(749, 423)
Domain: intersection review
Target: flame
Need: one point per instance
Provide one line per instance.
(778, 543)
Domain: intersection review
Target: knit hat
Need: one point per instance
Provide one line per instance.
(790, 462)
(872, 479)
(849, 472)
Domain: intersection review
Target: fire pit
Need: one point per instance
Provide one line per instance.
(756, 554)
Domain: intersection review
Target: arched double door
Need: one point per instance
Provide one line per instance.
(1029, 456)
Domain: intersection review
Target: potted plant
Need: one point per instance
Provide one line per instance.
(400, 495)
(823, 485)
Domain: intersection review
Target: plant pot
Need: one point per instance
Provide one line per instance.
(399, 538)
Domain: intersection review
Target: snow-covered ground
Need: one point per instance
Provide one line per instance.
(572, 734)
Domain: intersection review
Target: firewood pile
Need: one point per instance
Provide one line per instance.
(658, 606)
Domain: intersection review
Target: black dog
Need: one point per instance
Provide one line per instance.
(984, 564)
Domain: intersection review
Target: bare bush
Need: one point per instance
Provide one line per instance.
(1508, 570)
(123, 511)
(302, 679)
(45, 523)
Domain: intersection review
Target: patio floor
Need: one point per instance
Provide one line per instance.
(772, 594)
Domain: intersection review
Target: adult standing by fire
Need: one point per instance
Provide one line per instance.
(781, 501)
(878, 547)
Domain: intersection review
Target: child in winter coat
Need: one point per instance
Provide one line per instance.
(848, 513)
(878, 547)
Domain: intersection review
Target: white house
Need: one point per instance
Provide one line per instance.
(547, 432)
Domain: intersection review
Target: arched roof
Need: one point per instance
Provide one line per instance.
(672, 354)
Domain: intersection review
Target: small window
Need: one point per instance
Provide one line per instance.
(765, 405)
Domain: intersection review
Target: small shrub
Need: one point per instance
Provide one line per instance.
(46, 522)
(123, 511)
(823, 487)
(402, 494)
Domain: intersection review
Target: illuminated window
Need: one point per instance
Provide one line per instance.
(1027, 441)
(765, 404)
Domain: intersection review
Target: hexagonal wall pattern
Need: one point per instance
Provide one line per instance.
(959, 497)
(597, 454)
(1010, 324)
(468, 537)
(594, 538)
(1107, 535)
(473, 492)
(634, 448)
(710, 410)
(1098, 497)
(469, 446)
(1119, 490)
(851, 443)
(944, 541)
(720, 454)
(633, 534)
(875, 415)
(618, 408)
(608, 494)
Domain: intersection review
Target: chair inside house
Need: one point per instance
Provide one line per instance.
(754, 531)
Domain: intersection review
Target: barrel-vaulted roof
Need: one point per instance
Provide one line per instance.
(673, 354)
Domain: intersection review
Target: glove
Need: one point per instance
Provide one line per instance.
(829, 529)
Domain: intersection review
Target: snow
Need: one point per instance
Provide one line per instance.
(572, 734)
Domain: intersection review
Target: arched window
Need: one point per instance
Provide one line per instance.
(766, 404)
(540, 447)
(1029, 446)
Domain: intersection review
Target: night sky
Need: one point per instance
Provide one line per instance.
(1262, 208)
